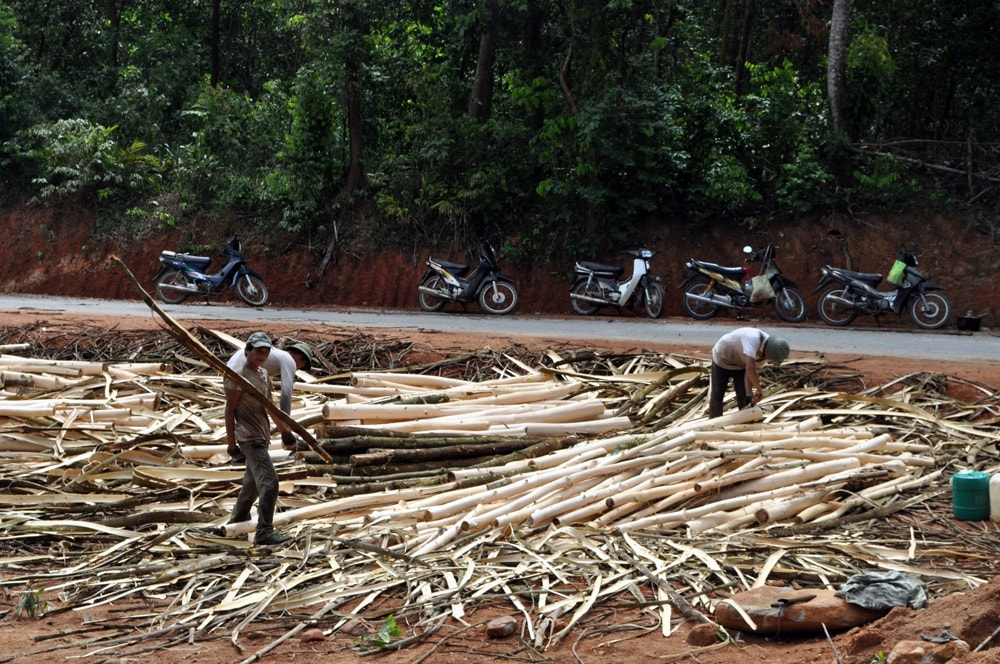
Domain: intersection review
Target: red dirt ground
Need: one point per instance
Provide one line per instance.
(608, 635)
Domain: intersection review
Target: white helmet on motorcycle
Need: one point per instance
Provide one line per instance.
(776, 349)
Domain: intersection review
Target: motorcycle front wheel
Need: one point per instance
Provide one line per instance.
(654, 299)
(699, 308)
(789, 305)
(251, 290)
(834, 312)
(429, 302)
(167, 294)
(930, 312)
(587, 288)
(498, 297)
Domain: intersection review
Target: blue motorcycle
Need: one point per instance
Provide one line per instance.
(183, 275)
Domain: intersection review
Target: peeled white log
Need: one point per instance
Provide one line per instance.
(552, 502)
(484, 515)
(107, 414)
(502, 490)
(141, 368)
(521, 394)
(773, 511)
(601, 498)
(370, 413)
(867, 496)
(682, 482)
(462, 474)
(344, 508)
(40, 381)
(26, 409)
(679, 517)
(376, 378)
(720, 519)
(725, 474)
(51, 369)
(455, 424)
(86, 367)
(865, 459)
(482, 420)
(592, 427)
(353, 390)
(806, 473)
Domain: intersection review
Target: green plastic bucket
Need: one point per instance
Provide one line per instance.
(970, 495)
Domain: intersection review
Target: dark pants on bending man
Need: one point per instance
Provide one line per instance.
(260, 479)
(717, 389)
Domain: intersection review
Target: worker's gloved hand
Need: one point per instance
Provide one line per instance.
(236, 453)
(288, 440)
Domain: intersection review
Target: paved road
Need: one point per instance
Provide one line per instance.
(946, 344)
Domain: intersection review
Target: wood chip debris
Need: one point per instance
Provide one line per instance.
(552, 484)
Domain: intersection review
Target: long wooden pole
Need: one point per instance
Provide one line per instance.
(191, 342)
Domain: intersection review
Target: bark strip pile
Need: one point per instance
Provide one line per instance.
(553, 486)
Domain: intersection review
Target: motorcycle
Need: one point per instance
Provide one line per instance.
(710, 287)
(596, 285)
(445, 282)
(856, 293)
(183, 275)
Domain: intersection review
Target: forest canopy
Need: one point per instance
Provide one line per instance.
(546, 123)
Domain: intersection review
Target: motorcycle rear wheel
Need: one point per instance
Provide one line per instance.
(498, 298)
(833, 312)
(252, 290)
(932, 312)
(587, 289)
(429, 302)
(169, 295)
(654, 299)
(789, 305)
(697, 308)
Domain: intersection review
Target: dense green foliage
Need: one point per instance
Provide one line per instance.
(544, 123)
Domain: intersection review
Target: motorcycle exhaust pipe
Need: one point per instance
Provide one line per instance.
(588, 298)
(182, 289)
(718, 300)
(441, 295)
(847, 304)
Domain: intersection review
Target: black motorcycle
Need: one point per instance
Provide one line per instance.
(709, 287)
(856, 293)
(445, 282)
(183, 275)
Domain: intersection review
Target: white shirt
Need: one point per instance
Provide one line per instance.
(733, 349)
(279, 362)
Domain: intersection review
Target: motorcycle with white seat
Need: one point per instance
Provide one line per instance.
(597, 285)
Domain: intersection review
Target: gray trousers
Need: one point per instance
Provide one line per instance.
(259, 480)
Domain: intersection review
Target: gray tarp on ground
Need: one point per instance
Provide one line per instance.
(881, 591)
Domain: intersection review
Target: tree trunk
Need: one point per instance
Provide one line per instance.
(214, 42)
(354, 91)
(740, 74)
(836, 78)
(481, 100)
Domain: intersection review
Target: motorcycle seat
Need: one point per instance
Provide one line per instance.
(870, 278)
(190, 259)
(613, 270)
(458, 269)
(728, 272)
